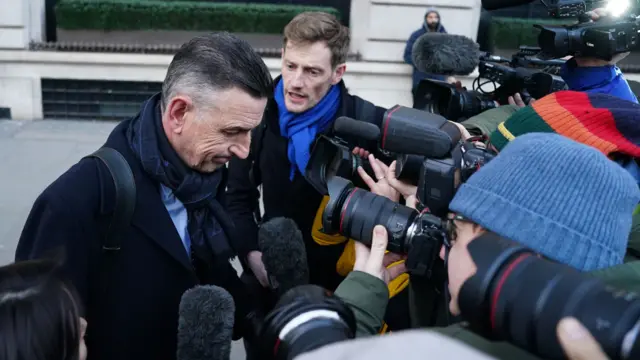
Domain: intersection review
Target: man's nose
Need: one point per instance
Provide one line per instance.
(297, 80)
(241, 148)
(441, 252)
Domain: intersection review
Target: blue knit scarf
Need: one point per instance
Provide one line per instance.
(301, 129)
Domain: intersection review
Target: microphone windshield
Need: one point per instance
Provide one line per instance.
(283, 254)
(205, 324)
(352, 127)
(445, 54)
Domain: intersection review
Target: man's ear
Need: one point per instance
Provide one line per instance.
(338, 73)
(478, 230)
(176, 113)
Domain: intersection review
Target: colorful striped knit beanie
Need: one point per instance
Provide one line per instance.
(608, 123)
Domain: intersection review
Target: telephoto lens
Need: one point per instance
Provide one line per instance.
(519, 297)
(305, 318)
(354, 212)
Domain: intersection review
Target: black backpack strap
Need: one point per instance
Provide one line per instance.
(255, 175)
(125, 186)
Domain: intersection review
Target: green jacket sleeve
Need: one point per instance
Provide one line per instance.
(487, 122)
(367, 296)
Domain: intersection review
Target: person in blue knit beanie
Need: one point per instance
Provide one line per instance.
(562, 199)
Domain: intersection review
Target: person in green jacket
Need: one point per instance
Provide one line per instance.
(562, 199)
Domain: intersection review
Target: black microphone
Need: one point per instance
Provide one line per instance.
(351, 127)
(501, 4)
(205, 324)
(283, 254)
(445, 54)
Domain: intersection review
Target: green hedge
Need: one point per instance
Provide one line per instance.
(178, 15)
(509, 33)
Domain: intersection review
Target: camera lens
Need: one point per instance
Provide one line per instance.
(470, 103)
(306, 318)
(519, 297)
(354, 212)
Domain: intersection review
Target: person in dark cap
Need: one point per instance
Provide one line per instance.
(431, 24)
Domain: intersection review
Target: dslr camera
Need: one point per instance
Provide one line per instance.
(429, 153)
(404, 131)
(519, 297)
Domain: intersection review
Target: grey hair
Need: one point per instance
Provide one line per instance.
(214, 62)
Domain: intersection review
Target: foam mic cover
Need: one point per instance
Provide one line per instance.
(283, 254)
(205, 324)
(501, 4)
(445, 54)
(351, 127)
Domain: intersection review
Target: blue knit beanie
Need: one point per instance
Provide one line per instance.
(565, 200)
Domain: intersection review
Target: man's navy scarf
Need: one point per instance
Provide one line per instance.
(201, 193)
(301, 129)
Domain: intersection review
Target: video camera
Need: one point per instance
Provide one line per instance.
(603, 39)
(523, 73)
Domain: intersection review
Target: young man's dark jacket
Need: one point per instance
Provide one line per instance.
(136, 315)
(295, 199)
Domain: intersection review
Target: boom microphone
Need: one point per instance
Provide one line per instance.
(283, 254)
(445, 54)
(205, 324)
(360, 129)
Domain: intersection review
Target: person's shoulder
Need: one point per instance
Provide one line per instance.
(364, 110)
(417, 33)
(79, 185)
(498, 349)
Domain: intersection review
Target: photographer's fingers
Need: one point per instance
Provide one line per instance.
(596, 14)
(397, 270)
(362, 255)
(516, 100)
(390, 258)
(377, 170)
(376, 256)
(366, 178)
(577, 342)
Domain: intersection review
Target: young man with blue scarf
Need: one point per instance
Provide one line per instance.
(309, 95)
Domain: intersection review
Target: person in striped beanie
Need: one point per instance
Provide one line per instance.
(605, 122)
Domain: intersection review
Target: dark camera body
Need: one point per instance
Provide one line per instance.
(602, 39)
(332, 157)
(519, 297)
(456, 104)
(440, 177)
(529, 82)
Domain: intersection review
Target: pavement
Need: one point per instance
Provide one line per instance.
(32, 155)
